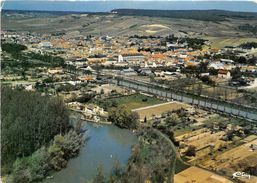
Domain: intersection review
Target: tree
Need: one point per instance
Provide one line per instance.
(202, 67)
(12, 48)
(145, 120)
(99, 178)
(213, 71)
(199, 89)
(102, 91)
(207, 80)
(236, 73)
(230, 135)
(191, 151)
(123, 117)
(173, 119)
(29, 121)
(35, 167)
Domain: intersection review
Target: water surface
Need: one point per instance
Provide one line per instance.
(106, 145)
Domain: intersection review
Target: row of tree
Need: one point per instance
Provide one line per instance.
(26, 60)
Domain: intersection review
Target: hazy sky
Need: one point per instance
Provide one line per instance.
(127, 0)
(108, 5)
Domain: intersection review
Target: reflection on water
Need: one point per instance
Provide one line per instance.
(106, 145)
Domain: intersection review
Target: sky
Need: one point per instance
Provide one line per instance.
(108, 5)
(129, 0)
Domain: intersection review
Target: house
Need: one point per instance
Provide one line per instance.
(29, 87)
(216, 65)
(146, 71)
(57, 70)
(86, 78)
(226, 61)
(159, 73)
(222, 73)
(45, 45)
(128, 72)
(205, 74)
(75, 105)
(175, 45)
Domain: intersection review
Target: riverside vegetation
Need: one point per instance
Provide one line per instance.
(36, 136)
(152, 160)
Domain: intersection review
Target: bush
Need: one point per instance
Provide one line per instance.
(21, 173)
(191, 151)
(55, 157)
(38, 164)
(64, 148)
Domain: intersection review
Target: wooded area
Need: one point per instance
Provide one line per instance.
(29, 121)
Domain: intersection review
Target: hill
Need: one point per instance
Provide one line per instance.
(204, 15)
(214, 25)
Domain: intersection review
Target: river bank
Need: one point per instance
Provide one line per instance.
(105, 145)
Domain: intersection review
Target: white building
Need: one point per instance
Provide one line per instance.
(128, 72)
(133, 57)
(45, 45)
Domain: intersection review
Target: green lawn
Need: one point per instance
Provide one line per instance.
(131, 102)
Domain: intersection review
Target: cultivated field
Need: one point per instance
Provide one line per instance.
(198, 175)
(234, 159)
(220, 42)
(75, 25)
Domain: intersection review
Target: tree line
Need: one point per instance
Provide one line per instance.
(20, 59)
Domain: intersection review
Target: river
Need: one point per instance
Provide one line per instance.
(105, 145)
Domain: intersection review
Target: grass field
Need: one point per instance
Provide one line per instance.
(157, 110)
(135, 101)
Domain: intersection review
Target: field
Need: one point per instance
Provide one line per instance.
(204, 140)
(220, 42)
(222, 91)
(229, 160)
(156, 110)
(134, 101)
(198, 175)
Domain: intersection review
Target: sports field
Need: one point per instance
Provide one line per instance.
(156, 110)
(131, 101)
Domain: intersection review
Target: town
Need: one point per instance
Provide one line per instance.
(203, 98)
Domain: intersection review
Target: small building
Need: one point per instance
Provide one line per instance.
(86, 78)
(45, 44)
(128, 72)
(146, 71)
(57, 70)
(223, 73)
(226, 61)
